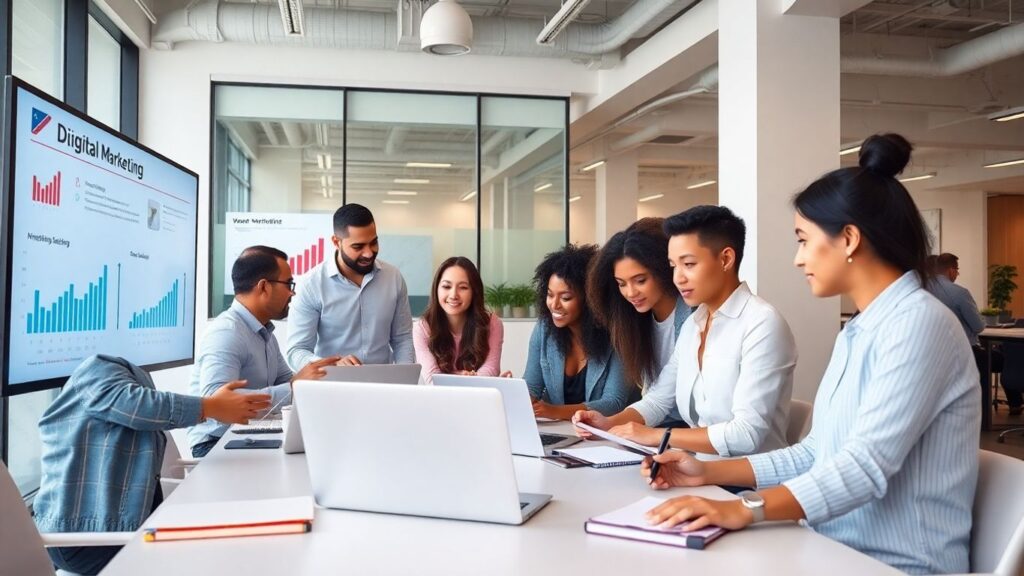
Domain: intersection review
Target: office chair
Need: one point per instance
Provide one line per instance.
(799, 421)
(997, 537)
(1012, 375)
(23, 548)
(174, 468)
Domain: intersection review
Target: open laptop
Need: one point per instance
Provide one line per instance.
(441, 452)
(522, 426)
(381, 373)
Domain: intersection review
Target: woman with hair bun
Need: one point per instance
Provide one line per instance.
(891, 462)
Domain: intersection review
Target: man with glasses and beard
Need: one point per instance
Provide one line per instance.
(353, 306)
(239, 348)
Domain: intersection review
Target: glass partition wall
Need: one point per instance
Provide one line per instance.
(417, 160)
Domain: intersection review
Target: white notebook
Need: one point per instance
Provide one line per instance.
(630, 523)
(602, 456)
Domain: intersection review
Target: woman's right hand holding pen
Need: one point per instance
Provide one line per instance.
(676, 468)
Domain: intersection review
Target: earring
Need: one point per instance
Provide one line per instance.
(849, 260)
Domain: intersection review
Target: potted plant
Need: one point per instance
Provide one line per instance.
(520, 298)
(990, 316)
(1000, 288)
(496, 297)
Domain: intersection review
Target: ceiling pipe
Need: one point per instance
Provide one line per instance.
(217, 21)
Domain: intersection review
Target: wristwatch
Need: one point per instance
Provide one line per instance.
(754, 502)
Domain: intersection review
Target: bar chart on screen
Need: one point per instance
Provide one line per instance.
(305, 238)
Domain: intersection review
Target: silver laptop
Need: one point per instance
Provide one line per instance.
(439, 452)
(522, 426)
(383, 373)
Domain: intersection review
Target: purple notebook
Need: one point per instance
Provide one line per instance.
(630, 523)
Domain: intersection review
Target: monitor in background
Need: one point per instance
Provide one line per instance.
(98, 246)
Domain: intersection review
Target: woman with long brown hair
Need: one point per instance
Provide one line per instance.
(457, 335)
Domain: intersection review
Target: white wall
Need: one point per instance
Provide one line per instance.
(964, 233)
(277, 180)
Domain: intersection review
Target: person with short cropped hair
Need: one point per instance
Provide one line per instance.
(353, 305)
(239, 344)
(731, 373)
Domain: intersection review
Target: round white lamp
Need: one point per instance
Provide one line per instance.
(446, 29)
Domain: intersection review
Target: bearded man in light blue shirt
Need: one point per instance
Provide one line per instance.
(352, 305)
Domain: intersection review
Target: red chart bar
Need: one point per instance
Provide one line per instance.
(58, 188)
(35, 189)
(305, 258)
(313, 255)
(320, 251)
(46, 194)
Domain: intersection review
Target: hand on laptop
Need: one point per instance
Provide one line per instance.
(226, 405)
(315, 369)
(638, 433)
(505, 374)
(591, 418)
(467, 373)
(349, 360)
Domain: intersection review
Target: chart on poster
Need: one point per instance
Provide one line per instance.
(102, 247)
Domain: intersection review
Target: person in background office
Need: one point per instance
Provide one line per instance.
(891, 462)
(239, 344)
(571, 364)
(731, 373)
(353, 305)
(102, 447)
(946, 269)
(630, 290)
(455, 315)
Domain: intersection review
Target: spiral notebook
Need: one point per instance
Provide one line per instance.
(602, 456)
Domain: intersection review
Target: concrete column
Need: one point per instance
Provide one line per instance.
(778, 131)
(618, 182)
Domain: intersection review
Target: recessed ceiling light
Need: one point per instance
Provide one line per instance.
(467, 196)
(574, 198)
(543, 187)
(849, 150)
(402, 193)
(1008, 114)
(412, 181)
(920, 177)
(394, 201)
(701, 184)
(1005, 163)
(592, 165)
(327, 180)
(649, 198)
(323, 161)
(428, 164)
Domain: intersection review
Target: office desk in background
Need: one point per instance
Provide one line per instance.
(552, 542)
(988, 337)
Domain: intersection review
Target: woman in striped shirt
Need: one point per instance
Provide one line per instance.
(890, 465)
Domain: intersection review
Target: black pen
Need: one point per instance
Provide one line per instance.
(661, 450)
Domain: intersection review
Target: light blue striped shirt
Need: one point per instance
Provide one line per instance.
(237, 347)
(891, 463)
(330, 315)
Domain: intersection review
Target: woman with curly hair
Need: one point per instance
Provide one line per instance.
(631, 292)
(457, 335)
(571, 364)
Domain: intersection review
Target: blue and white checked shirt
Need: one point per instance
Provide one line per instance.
(237, 347)
(891, 463)
(103, 445)
(332, 316)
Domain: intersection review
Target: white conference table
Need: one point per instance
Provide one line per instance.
(553, 541)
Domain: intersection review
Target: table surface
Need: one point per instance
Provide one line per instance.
(551, 542)
(1002, 333)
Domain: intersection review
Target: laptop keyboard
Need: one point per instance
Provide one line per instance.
(549, 439)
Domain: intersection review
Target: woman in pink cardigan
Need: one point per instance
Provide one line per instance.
(457, 335)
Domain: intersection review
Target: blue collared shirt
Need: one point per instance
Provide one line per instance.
(237, 347)
(960, 301)
(103, 445)
(331, 315)
(891, 463)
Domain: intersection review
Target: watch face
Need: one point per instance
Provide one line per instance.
(751, 499)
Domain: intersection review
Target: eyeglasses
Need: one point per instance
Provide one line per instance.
(289, 283)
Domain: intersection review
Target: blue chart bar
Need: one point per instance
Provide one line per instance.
(163, 315)
(69, 313)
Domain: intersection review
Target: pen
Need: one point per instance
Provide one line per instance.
(661, 450)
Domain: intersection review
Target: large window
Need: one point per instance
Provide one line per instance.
(43, 32)
(445, 174)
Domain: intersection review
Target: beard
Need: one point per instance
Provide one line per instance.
(358, 266)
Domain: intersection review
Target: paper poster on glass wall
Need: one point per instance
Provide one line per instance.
(933, 227)
(306, 239)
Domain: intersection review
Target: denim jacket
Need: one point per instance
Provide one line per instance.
(103, 445)
(606, 388)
